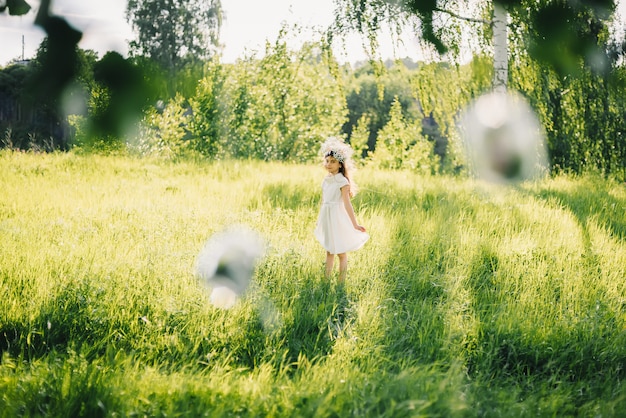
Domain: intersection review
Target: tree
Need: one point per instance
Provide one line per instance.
(500, 48)
(401, 145)
(172, 32)
(278, 107)
(286, 103)
(372, 95)
(559, 33)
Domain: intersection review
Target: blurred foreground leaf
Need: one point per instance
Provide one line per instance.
(126, 94)
(59, 64)
(16, 7)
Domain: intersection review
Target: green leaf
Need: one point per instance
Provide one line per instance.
(16, 7)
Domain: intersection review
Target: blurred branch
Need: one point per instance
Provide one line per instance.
(465, 18)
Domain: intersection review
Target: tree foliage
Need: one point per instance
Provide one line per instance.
(372, 94)
(584, 117)
(580, 42)
(163, 131)
(277, 107)
(565, 35)
(401, 145)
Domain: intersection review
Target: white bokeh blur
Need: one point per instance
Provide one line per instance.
(504, 140)
(226, 264)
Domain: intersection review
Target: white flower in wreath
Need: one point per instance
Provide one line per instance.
(336, 148)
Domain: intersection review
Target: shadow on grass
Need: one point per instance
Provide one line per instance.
(423, 276)
(586, 349)
(309, 305)
(82, 317)
(73, 317)
(416, 325)
(589, 351)
(593, 200)
(415, 319)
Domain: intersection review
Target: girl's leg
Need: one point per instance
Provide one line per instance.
(330, 261)
(343, 266)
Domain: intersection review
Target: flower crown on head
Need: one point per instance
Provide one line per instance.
(337, 148)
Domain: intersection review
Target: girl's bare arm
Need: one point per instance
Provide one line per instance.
(345, 195)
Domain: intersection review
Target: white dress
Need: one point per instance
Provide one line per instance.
(334, 228)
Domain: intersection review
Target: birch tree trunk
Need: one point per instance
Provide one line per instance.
(500, 48)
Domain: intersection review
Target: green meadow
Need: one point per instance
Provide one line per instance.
(469, 300)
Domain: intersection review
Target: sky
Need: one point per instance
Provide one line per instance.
(247, 25)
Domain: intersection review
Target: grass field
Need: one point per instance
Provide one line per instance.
(468, 300)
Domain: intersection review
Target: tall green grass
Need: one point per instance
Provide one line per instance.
(469, 300)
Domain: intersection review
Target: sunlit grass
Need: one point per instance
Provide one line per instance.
(469, 300)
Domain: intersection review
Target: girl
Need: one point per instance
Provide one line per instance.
(337, 229)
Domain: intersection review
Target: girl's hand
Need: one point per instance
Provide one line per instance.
(360, 228)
